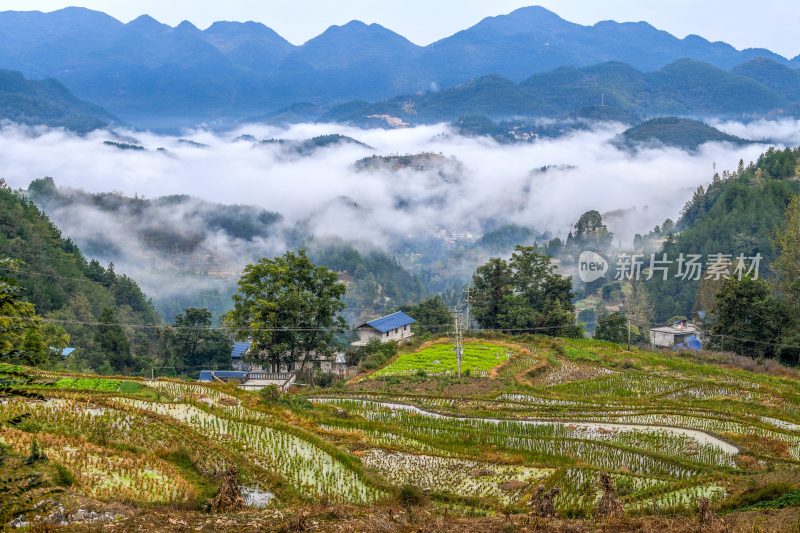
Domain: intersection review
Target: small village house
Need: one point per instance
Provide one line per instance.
(677, 334)
(238, 353)
(395, 327)
(257, 375)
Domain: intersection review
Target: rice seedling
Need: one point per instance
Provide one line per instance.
(504, 483)
(311, 470)
(680, 499)
(439, 358)
(106, 474)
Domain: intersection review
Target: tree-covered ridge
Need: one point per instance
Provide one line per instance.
(185, 240)
(676, 132)
(419, 162)
(70, 290)
(375, 281)
(738, 213)
(608, 91)
(28, 235)
(149, 217)
(309, 146)
(48, 103)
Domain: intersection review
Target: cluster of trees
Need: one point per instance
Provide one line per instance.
(289, 308)
(589, 233)
(524, 294)
(738, 213)
(432, 315)
(53, 297)
(30, 339)
(759, 317)
(376, 280)
(24, 338)
(193, 342)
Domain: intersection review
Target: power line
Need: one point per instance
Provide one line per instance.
(164, 326)
(712, 336)
(309, 329)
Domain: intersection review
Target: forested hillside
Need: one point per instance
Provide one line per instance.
(47, 103)
(685, 87)
(376, 282)
(187, 252)
(675, 132)
(738, 213)
(69, 289)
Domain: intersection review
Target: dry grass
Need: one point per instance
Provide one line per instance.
(395, 519)
(743, 362)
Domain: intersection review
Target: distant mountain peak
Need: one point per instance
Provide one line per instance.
(146, 22)
(187, 27)
(249, 26)
(524, 20)
(533, 11)
(155, 75)
(358, 26)
(46, 102)
(356, 30)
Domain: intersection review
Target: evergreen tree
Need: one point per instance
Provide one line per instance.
(432, 316)
(24, 338)
(748, 319)
(525, 294)
(612, 327)
(787, 264)
(491, 286)
(591, 232)
(111, 342)
(193, 343)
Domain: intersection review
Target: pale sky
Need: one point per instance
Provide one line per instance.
(769, 24)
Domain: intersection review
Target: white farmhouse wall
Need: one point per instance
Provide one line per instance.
(366, 334)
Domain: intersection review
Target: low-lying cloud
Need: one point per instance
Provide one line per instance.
(325, 194)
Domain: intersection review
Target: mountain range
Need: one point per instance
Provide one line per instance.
(154, 75)
(48, 103)
(757, 88)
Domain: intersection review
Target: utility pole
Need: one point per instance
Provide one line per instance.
(469, 318)
(458, 343)
(629, 332)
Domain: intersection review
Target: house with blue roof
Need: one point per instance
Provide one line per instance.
(395, 327)
(238, 354)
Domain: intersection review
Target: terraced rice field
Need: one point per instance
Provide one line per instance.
(440, 358)
(544, 413)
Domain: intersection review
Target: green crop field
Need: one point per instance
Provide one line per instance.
(533, 414)
(440, 358)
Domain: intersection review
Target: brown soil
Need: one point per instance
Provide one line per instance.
(386, 519)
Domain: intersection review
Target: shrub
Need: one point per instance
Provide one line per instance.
(180, 457)
(410, 496)
(63, 477)
(37, 453)
(324, 379)
(757, 495)
(376, 353)
(270, 394)
(558, 347)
